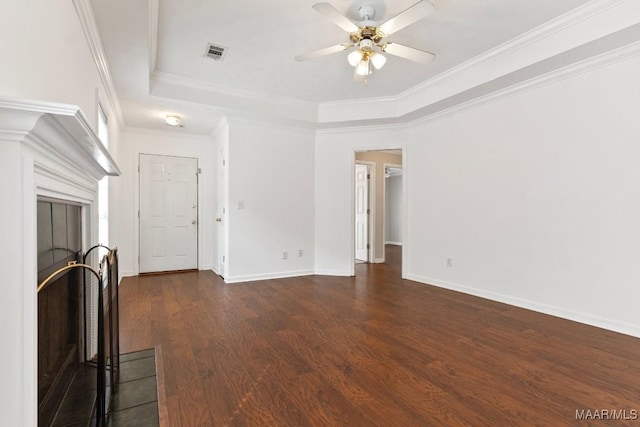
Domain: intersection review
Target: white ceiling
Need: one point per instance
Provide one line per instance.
(263, 38)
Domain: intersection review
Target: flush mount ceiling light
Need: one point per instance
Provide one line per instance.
(367, 38)
(172, 120)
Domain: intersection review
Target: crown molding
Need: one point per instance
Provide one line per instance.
(90, 28)
(235, 102)
(362, 126)
(174, 79)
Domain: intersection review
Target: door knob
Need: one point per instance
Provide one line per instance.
(194, 222)
(218, 219)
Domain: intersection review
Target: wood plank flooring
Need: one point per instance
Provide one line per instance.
(373, 350)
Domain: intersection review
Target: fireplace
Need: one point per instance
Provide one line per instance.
(60, 307)
(48, 153)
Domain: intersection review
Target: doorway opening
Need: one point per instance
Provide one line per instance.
(378, 218)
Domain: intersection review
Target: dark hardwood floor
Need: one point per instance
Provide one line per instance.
(373, 350)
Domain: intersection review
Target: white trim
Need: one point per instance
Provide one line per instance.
(222, 89)
(236, 102)
(393, 243)
(29, 295)
(378, 260)
(325, 272)
(90, 28)
(256, 277)
(581, 317)
(384, 206)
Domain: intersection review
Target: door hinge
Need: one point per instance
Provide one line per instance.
(368, 246)
(223, 210)
(368, 211)
(224, 162)
(223, 258)
(368, 176)
(138, 213)
(138, 168)
(199, 170)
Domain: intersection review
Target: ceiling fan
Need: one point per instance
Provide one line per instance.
(368, 37)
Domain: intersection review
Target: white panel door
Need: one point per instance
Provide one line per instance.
(362, 212)
(168, 213)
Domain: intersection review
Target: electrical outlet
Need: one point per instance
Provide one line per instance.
(300, 253)
(449, 262)
(285, 255)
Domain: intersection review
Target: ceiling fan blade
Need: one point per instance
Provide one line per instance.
(336, 17)
(322, 52)
(410, 53)
(418, 11)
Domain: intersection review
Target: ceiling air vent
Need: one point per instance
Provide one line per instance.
(215, 52)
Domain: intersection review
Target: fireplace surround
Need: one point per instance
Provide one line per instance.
(50, 151)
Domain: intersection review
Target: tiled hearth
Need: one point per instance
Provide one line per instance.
(134, 404)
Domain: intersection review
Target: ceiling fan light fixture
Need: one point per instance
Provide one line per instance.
(364, 67)
(354, 58)
(378, 60)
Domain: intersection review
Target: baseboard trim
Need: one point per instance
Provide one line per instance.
(256, 277)
(393, 243)
(587, 319)
(378, 260)
(342, 273)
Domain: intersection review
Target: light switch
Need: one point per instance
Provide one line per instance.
(240, 204)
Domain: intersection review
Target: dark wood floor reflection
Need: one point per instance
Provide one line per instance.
(373, 350)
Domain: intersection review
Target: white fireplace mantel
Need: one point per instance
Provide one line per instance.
(46, 150)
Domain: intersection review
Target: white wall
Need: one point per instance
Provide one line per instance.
(535, 198)
(271, 171)
(393, 209)
(124, 206)
(46, 56)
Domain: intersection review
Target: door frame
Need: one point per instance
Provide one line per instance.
(136, 222)
(405, 168)
(384, 205)
(222, 213)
